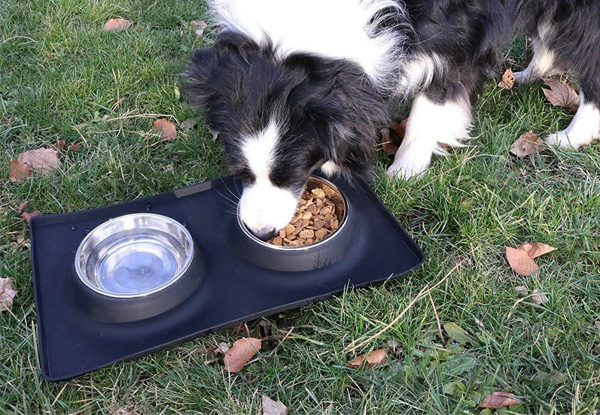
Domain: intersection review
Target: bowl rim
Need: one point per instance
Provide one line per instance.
(174, 279)
(319, 244)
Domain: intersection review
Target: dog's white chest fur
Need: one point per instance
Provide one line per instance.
(333, 28)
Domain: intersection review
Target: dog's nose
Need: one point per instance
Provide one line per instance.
(264, 234)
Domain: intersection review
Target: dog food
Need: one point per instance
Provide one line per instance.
(316, 218)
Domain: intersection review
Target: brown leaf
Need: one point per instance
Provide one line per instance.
(536, 249)
(399, 130)
(499, 400)
(374, 358)
(386, 142)
(520, 262)
(7, 293)
(270, 407)
(166, 128)
(22, 206)
(528, 143)
(598, 325)
(561, 94)
(240, 353)
(73, 147)
(43, 160)
(538, 297)
(18, 171)
(508, 79)
(28, 215)
(198, 26)
(60, 145)
(116, 25)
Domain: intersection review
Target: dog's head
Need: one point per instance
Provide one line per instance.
(281, 118)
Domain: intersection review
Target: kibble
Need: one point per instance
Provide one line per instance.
(316, 218)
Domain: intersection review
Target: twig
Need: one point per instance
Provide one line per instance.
(353, 346)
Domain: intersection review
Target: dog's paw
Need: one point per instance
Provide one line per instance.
(564, 140)
(404, 169)
(524, 77)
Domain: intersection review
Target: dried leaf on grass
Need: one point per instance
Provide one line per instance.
(528, 143)
(42, 160)
(7, 293)
(374, 358)
(271, 407)
(117, 24)
(240, 353)
(508, 79)
(27, 215)
(538, 297)
(198, 26)
(561, 94)
(499, 400)
(597, 325)
(166, 128)
(520, 261)
(536, 249)
(19, 171)
(392, 136)
(457, 333)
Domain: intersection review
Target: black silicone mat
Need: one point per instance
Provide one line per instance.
(235, 282)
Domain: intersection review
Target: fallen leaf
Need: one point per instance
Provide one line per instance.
(522, 290)
(561, 94)
(598, 325)
(457, 333)
(538, 297)
(43, 160)
(499, 400)
(74, 147)
(508, 79)
(22, 206)
(270, 407)
(374, 358)
(536, 249)
(528, 143)
(386, 142)
(166, 128)
(240, 353)
(7, 293)
(60, 144)
(520, 261)
(18, 171)
(117, 24)
(198, 26)
(28, 215)
(399, 130)
(552, 378)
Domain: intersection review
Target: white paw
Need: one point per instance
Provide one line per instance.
(404, 168)
(524, 77)
(562, 139)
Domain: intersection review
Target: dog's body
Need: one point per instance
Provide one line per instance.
(293, 85)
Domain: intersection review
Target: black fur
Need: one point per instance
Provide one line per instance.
(329, 108)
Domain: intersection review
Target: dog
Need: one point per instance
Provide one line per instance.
(293, 86)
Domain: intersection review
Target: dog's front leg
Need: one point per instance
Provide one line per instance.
(432, 127)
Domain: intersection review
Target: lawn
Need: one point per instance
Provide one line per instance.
(63, 78)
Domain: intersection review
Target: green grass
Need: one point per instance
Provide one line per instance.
(62, 77)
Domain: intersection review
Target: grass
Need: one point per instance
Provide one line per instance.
(62, 77)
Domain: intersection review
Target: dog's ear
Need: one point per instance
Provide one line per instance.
(344, 108)
(199, 83)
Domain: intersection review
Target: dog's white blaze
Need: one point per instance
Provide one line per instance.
(332, 28)
(263, 206)
(430, 125)
(584, 128)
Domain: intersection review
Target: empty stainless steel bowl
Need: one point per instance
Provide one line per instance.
(134, 255)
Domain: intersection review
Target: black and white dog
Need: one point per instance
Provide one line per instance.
(297, 85)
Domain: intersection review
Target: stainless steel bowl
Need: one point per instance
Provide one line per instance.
(134, 255)
(341, 206)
